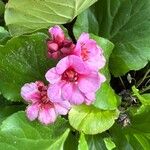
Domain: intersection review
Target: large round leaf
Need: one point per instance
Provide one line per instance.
(17, 133)
(90, 119)
(125, 23)
(23, 59)
(29, 15)
(106, 98)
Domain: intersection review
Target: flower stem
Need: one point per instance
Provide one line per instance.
(142, 80)
(145, 89)
(122, 82)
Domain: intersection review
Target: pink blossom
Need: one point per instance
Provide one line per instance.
(40, 106)
(72, 80)
(90, 52)
(59, 46)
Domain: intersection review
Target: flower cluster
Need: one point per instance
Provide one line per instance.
(73, 81)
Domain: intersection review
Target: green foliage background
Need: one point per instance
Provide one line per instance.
(121, 28)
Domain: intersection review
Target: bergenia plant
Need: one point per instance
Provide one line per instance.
(40, 105)
(74, 75)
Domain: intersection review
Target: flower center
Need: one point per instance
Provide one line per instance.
(43, 93)
(84, 54)
(70, 75)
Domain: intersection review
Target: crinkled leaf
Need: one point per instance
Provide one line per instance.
(126, 23)
(30, 15)
(82, 143)
(17, 133)
(135, 136)
(4, 36)
(23, 59)
(91, 120)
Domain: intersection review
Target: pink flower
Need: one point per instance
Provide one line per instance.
(40, 106)
(72, 80)
(59, 46)
(90, 52)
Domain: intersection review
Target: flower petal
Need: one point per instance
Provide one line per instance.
(67, 91)
(62, 65)
(81, 41)
(77, 97)
(47, 116)
(29, 92)
(96, 63)
(89, 83)
(52, 76)
(90, 97)
(62, 108)
(57, 34)
(54, 92)
(102, 78)
(32, 111)
(78, 64)
(83, 38)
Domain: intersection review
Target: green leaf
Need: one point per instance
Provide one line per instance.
(86, 22)
(96, 142)
(144, 99)
(31, 15)
(100, 142)
(23, 59)
(109, 143)
(82, 143)
(17, 133)
(106, 98)
(91, 120)
(72, 141)
(135, 136)
(125, 23)
(147, 97)
(2, 7)
(4, 36)
(6, 108)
